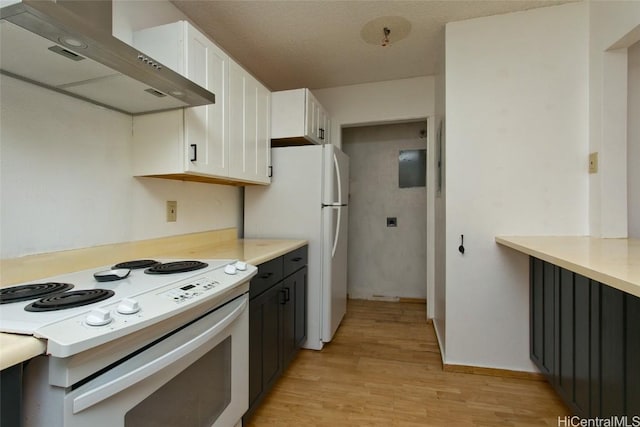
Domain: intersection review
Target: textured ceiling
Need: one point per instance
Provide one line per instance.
(319, 44)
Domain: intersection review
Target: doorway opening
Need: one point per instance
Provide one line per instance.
(389, 210)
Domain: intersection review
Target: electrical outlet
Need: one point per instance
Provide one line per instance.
(172, 211)
(593, 162)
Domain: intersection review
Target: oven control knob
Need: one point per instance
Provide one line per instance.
(241, 266)
(128, 306)
(230, 269)
(98, 317)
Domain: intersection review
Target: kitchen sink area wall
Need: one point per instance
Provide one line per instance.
(66, 177)
(385, 260)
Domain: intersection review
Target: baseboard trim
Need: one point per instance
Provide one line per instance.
(506, 373)
(413, 300)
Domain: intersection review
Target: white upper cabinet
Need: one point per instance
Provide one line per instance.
(249, 127)
(297, 118)
(201, 135)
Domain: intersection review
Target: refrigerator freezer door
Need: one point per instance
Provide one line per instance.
(334, 258)
(336, 176)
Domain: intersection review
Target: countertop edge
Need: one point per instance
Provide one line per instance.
(580, 268)
(292, 246)
(16, 349)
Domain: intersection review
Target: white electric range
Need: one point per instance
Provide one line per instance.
(114, 360)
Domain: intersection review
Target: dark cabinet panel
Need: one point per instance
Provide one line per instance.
(549, 313)
(536, 313)
(11, 396)
(288, 318)
(585, 337)
(256, 313)
(269, 273)
(265, 344)
(543, 312)
(611, 352)
(295, 314)
(633, 355)
(271, 337)
(581, 307)
(300, 317)
(594, 350)
(564, 335)
(295, 260)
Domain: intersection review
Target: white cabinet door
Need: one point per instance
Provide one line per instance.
(322, 125)
(311, 116)
(230, 139)
(297, 115)
(263, 135)
(249, 142)
(204, 140)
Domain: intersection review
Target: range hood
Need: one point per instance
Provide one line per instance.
(68, 46)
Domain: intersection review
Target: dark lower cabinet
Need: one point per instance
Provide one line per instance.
(633, 356)
(11, 396)
(585, 338)
(265, 350)
(294, 316)
(612, 347)
(277, 321)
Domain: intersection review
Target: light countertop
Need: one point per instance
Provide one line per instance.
(614, 262)
(218, 244)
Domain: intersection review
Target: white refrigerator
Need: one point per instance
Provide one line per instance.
(308, 199)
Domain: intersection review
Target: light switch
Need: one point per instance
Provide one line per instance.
(593, 162)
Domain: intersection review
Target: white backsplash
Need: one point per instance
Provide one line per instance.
(65, 179)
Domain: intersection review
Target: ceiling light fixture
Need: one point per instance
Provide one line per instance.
(385, 40)
(370, 32)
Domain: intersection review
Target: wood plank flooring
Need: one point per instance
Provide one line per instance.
(383, 368)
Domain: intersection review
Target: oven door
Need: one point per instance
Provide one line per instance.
(197, 377)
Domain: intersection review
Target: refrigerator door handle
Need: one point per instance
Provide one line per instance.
(335, 239)
(337, 168)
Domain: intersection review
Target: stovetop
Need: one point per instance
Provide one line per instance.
(134, 302)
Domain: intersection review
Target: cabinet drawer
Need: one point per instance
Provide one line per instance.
(269, 273)
(295, 260)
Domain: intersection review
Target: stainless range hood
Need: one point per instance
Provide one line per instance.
(68, 46)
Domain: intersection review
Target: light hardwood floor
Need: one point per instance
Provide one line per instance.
(383, 368)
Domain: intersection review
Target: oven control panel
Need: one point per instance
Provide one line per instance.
(184, 293)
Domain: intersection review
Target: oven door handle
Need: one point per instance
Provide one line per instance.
(98, 394)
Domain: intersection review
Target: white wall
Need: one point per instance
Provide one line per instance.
(633, 142)
(613, 27)
(376, 103)
(385, 261)
(65, 179)
(516, 124)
